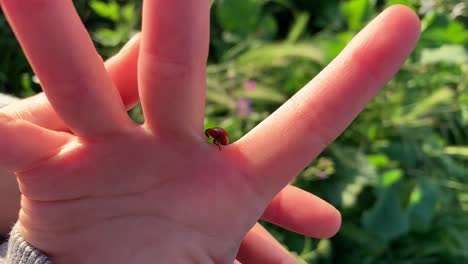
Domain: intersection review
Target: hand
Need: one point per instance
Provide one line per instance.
(37, 110)
(158, 191)
(122, 69)
(258, 246)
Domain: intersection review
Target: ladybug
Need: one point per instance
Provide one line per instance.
(219, 136)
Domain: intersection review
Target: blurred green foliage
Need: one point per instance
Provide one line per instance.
(399, 174)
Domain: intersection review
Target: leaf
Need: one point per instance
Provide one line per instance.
(461, 151)
(263, 94)
(220, 98)
(106, 10)
(400, 2)
(446, 53)
(26, 84)
(425, 106)
(389, 178)
(298, 28)
(270, 53)
(129, 13)
(107, 37)
(439, 29)
(353, 172)
(136, 113)
(324, 248)
(379, 160)
(423, 200)
(386, 218)
(355, 12)
(333, 43)
(238, 16)
(408, 154)
(427, 20)
(267, 28)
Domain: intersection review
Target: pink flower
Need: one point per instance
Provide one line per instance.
(322, 175)
(244, 107)
(250, 85)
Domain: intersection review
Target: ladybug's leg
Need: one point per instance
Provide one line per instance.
(215, 140)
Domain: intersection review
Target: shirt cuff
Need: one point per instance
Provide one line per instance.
(18, 251)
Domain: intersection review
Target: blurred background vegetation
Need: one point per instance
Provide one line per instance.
(399, 174)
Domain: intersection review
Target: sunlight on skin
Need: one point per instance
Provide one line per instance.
(71, 146)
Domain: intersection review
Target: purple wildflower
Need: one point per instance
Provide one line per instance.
(244, 107)
(250, 85)
(322, 175)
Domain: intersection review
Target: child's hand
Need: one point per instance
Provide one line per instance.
(256, 247)
(122, 69)
(116, 192)
(37, 110)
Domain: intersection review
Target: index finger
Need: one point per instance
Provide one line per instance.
(121, 68)
(282, 145)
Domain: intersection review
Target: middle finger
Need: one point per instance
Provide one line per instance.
(173, 54)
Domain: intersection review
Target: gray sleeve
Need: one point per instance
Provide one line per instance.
(18, 251)
(7, 99)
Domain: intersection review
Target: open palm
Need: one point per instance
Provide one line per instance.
(126, 193)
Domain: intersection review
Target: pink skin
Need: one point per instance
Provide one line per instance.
(37, 110)
(126, 193)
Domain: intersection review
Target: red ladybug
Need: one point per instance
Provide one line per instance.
(219, 136)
